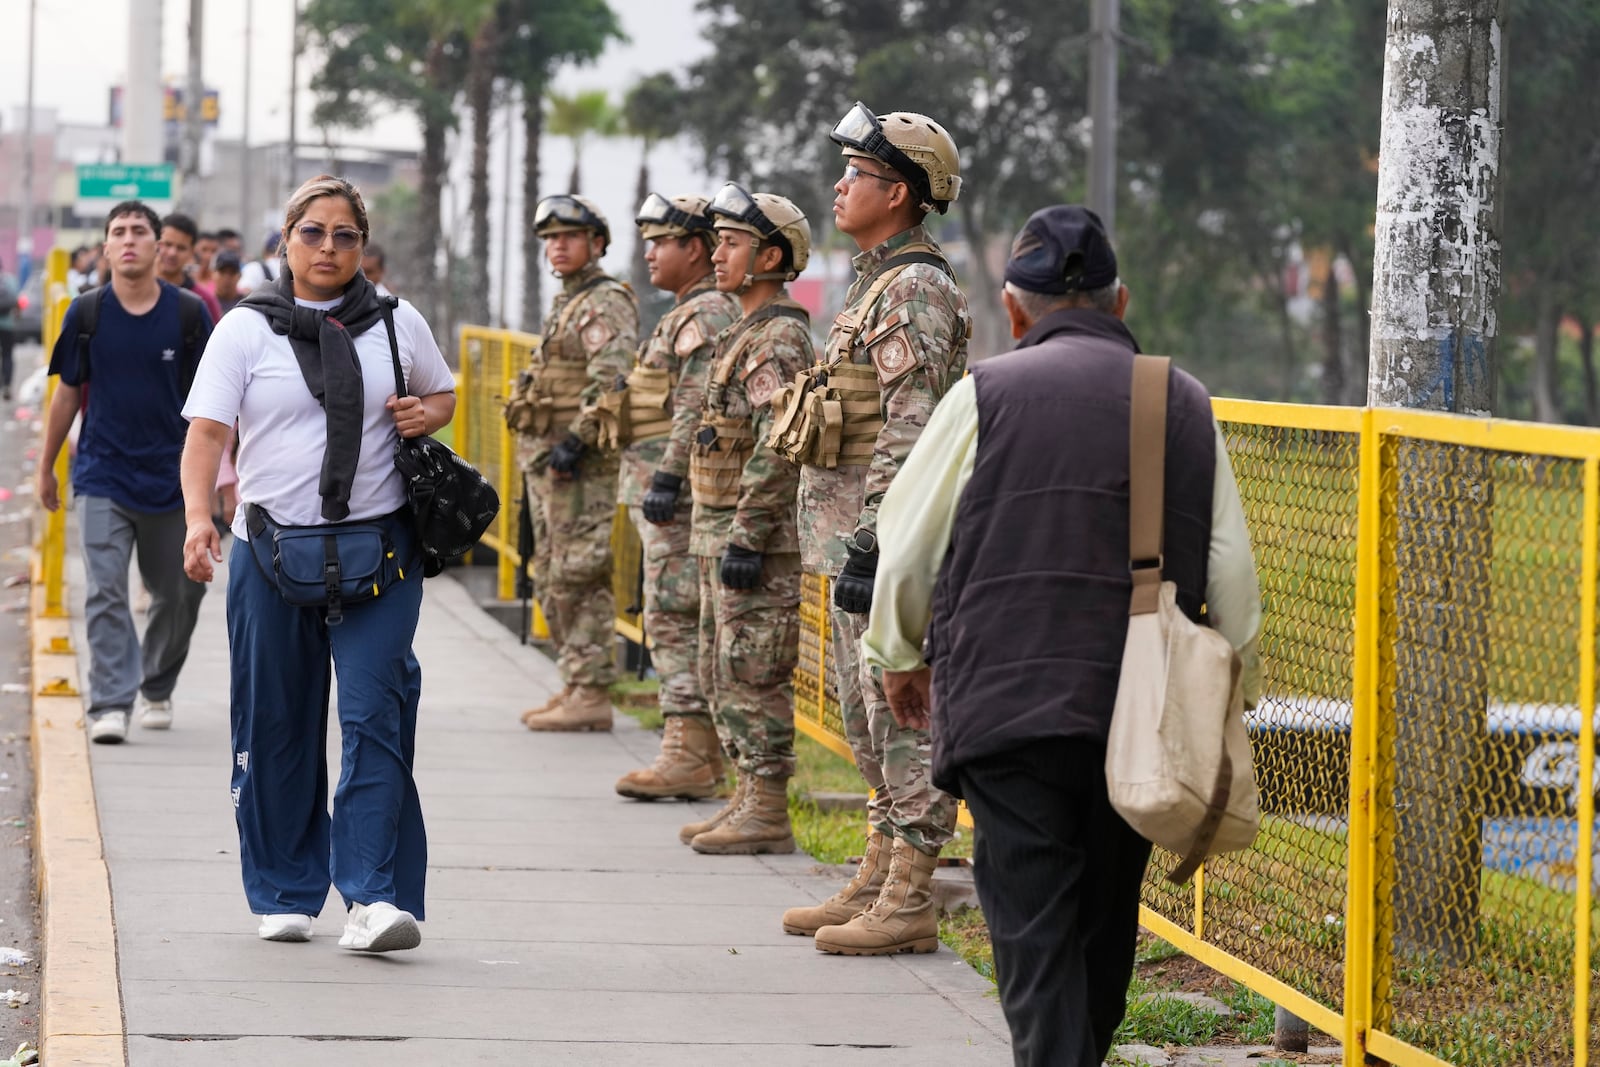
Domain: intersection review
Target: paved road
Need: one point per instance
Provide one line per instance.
(565, 925)
(18, 905)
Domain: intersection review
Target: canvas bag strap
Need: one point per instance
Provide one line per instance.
(1147, 459)
(1147, 447)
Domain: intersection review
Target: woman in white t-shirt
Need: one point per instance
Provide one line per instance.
(305, 367)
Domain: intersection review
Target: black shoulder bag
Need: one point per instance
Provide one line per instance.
(451, 503)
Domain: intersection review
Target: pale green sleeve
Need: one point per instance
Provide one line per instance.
(914, 524)
(1233, 593)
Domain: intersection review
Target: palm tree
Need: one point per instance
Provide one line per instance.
(577, 117)
(652, 110)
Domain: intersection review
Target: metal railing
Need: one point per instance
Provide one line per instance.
(1423, 888)
(51, 546)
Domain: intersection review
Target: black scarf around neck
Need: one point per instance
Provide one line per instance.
(324, 346)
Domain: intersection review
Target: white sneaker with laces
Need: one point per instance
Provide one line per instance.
(379, 927)
(288, 927)
(109, 728)
(155, 714)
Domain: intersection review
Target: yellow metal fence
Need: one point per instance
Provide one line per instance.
(1423, 888)
(51, 545)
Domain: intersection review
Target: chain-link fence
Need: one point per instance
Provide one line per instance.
(1423, 887)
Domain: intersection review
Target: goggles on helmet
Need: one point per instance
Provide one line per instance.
(861, 130)
(567, 211)
(657, 210)
(733, 202)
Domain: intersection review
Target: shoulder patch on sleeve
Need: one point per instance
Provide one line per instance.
(761, 383)
(893, 356)
(596, 332)
(689, 338)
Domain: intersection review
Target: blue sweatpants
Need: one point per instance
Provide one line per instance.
(373, 847)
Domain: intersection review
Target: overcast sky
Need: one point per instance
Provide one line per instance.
(81, 52)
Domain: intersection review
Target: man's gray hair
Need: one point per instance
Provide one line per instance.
(1037, 305)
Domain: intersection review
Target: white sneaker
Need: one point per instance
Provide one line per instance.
(155, 714)
(109, 728)
(379, 927)
(285, 928)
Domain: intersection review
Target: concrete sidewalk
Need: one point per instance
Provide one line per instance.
(565, 925)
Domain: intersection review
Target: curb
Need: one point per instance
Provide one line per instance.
(80, 997)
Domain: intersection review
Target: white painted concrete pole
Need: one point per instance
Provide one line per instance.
(1436, 272)
(1104, 26)
(191, 197)
(142, 97)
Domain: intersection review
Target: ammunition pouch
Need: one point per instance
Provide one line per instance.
(612, 414)
(716, 462)
(550, 400)
(828, 416)
(648, 400)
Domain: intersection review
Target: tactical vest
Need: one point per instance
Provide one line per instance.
(724, 443)
(547, 396)
(642, 411)
(831, 414)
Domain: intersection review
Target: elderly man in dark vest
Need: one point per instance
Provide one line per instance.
(1000, 615)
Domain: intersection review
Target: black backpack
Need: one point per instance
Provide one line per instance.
(191, 317)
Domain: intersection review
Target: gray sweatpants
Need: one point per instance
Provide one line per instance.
(118, 671)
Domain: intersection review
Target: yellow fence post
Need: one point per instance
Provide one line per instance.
(1359, 842)
(1583, 974)
(53, 544)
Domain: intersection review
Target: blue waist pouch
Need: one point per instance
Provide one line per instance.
(324, 566)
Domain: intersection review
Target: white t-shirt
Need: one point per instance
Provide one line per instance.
(250, 373)
(258, 272)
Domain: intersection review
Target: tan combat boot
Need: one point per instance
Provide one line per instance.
(856, 897)
(692, 830)
(689, 765)
(760, 825)
(584, 707)
(902, 919)
(555, 698)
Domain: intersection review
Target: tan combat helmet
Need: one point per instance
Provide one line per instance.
(773, 219)
(917, 148)
(682, 216)
(564, 213)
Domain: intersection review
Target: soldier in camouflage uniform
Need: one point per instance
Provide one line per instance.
(898, 345)
(589, 339)
(744, 521)
(658, 415)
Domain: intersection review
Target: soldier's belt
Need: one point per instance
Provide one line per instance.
(716, 462)
(828, 416)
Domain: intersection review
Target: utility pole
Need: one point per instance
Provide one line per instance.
(509, 115)
(294, 92)
(247, 217)
(25, 213)
(1436, 279)
(1104, 28)
(190, 198)
(142, 97)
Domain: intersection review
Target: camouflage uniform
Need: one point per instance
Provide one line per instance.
(681, 344)
(894, 760)
(572, 518)
(750, 639)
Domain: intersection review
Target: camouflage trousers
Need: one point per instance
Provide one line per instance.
(672, 610)
(896, 761)
(572, 567)
(749, 644)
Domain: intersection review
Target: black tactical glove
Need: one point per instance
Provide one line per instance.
(852, 590)
(564, 457)
(741, 568)
(661, 502)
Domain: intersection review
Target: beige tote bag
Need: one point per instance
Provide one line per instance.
(1178, 763)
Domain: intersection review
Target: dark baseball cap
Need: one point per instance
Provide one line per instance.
(1062, 249)
(227, 259)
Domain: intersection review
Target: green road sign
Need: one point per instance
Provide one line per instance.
(101, 186)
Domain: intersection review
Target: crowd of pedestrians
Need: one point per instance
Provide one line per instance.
(973, 532)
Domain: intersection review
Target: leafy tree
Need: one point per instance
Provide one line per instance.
(541, 36)
(408, 53)
(652, 110)
(577, 117)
